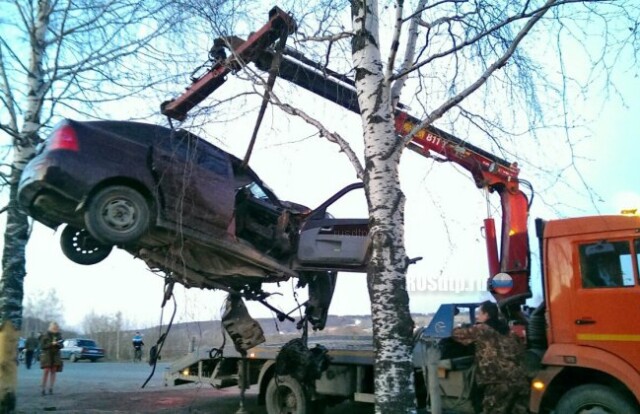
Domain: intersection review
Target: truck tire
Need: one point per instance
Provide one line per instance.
(285, 395)
(595, 398)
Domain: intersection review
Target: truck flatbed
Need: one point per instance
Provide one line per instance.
(342, 349)
(195, 366)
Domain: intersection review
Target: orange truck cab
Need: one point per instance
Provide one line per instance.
(590, 355)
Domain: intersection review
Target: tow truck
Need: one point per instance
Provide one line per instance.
(582, 339)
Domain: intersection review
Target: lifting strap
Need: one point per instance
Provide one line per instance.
(273, 73)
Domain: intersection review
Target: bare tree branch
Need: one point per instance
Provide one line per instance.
(446, 106)
(326, 38)
(7, 96)
(395, 42)
(410, 49)
(474, 39)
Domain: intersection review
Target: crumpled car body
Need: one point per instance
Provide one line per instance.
(181, 204)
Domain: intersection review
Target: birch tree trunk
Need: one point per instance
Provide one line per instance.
(17, 231)
(386, 276)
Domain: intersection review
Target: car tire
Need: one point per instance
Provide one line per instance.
(73, 358)
(118, 215)
(81, 247)
(596, 397)
(285, 394)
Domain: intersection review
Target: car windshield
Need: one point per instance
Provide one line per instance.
(86, 342)
(257, 192)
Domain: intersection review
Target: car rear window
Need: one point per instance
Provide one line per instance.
(189, 147)
(215, 160)
(86, 342)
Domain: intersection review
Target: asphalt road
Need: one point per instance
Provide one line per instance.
(108, 387)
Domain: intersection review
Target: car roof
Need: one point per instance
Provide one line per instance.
(152, 133)
(147, 132)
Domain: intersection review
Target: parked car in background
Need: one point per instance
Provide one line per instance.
(183, 205)
(76, 349)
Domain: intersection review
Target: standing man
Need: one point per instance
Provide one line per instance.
(20, 355)
(30, 345)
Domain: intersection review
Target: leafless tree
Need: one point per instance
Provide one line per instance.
(66, 58)
(106, 330)
(495, 70)
(41, 308)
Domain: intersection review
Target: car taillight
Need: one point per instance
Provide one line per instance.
(64, 138)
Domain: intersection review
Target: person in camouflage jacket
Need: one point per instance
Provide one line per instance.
(498, 358)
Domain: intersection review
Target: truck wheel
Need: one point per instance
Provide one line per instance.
(285, 395)
(82, 248)
(118, 215)
(595, 398)
(73, 358)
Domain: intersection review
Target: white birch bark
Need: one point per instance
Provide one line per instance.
(386, 277)
(17, 230)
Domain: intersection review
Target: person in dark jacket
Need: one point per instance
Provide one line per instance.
(498, 356)
(50, 360)
(31, 344)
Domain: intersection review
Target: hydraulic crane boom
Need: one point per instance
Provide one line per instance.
(489, 171)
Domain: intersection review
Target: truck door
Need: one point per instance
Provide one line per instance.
(195, 182)
(330, 243)
(607, 298)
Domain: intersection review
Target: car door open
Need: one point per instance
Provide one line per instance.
(328, 243)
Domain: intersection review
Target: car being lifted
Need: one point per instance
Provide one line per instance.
(181, 204)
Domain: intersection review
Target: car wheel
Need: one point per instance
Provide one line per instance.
(73, 358)
(285, 394)
(595, 398)
(118, 215)
(82, 248)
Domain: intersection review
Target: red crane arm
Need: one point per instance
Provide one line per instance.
(243, 51)
(488, 170)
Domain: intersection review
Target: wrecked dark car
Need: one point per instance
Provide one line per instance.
(182, 205)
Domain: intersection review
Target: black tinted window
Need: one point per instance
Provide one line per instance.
(86, 342)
